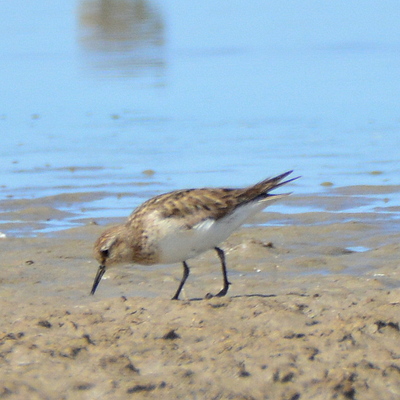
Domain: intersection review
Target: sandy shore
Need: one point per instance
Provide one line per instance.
(313, 313)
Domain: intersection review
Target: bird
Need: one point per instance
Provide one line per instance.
(177, 226)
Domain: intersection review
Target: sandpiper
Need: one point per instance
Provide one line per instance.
(177, 226)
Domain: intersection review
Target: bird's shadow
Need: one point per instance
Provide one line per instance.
(238, 296)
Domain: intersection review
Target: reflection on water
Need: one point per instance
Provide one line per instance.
(254, 89)
(122, 36)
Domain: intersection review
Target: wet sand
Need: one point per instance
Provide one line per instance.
(313, 313)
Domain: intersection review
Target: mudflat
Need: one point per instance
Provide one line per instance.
(313, 312)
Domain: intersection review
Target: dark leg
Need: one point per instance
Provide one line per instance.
(184, 277)
(225, 288)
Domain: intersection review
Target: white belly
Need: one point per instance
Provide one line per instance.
(177, 244)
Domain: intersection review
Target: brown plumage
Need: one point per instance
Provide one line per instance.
(179, 225)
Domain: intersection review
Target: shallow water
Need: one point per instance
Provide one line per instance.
(124, 99)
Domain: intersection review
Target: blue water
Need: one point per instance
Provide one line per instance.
(203, 93)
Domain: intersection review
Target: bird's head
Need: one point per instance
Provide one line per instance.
(111, 248)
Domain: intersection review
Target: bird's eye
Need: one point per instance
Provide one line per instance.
(104, 253)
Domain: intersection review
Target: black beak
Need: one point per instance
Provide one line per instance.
(99, 275)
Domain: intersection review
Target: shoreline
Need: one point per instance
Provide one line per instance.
(313, 313)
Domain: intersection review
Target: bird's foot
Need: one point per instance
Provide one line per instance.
(221, 293)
